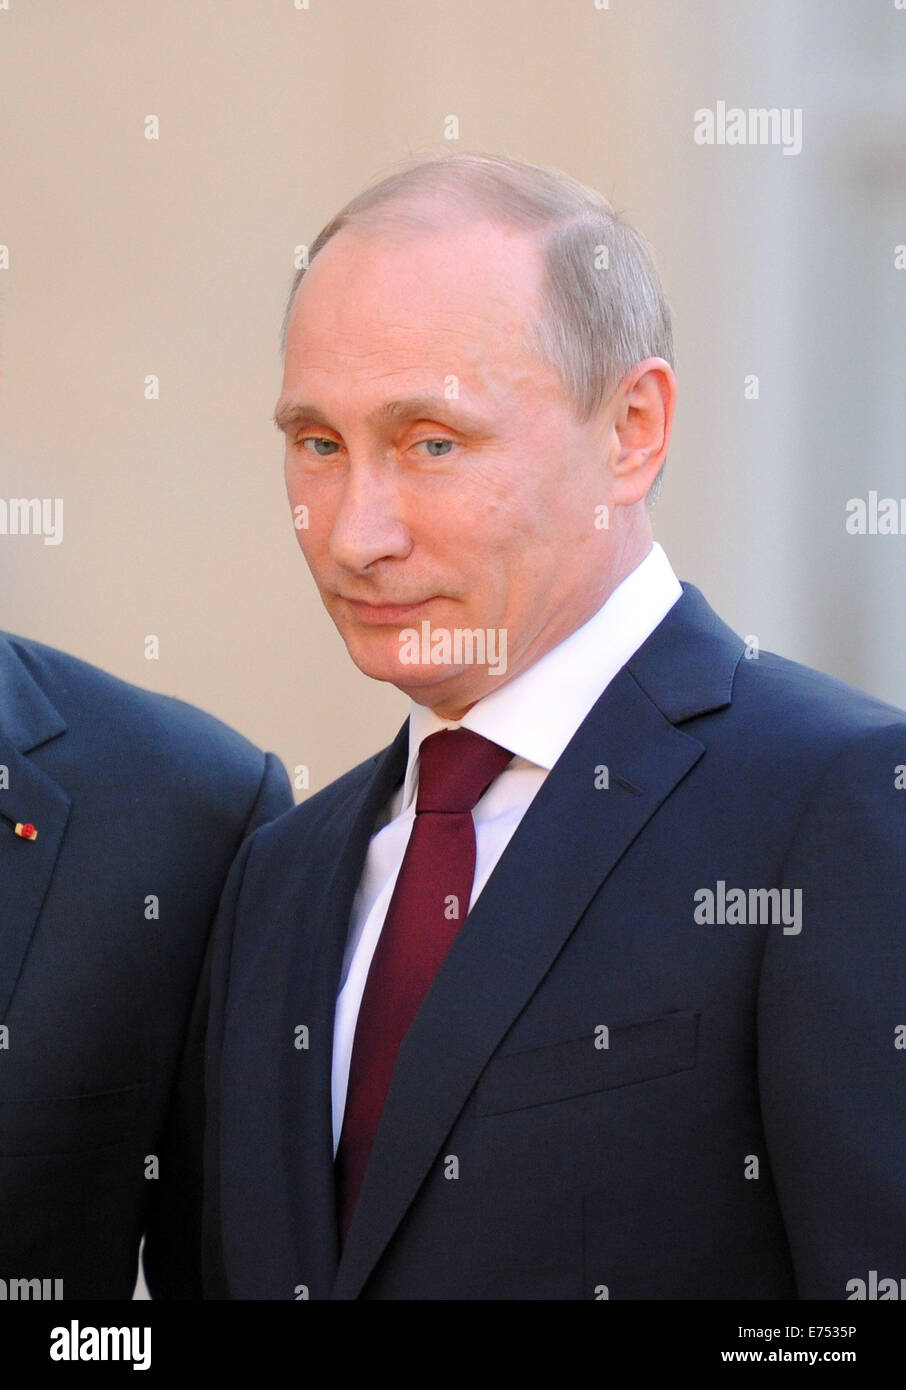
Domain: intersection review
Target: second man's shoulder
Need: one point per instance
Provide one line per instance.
(101, 723)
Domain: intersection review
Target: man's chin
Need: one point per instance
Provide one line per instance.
(383, 667)
(418, 680)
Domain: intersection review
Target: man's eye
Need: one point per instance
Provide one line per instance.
(314, 439)
(431, 445)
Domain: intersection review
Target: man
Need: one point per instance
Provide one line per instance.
(120, 812)
(657, 1057)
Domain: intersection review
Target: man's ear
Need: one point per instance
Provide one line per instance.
(645, 402)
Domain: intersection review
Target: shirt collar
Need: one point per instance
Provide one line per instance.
(537, 713)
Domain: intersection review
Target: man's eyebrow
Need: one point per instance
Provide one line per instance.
(407, 408)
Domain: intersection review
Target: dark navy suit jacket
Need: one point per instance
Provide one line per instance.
(134, 797)
(742, 1134)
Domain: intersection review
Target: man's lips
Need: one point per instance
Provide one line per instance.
(380, 613)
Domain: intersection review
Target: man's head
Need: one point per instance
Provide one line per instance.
(477, 400)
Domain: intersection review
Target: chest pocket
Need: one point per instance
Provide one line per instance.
(635, 1052)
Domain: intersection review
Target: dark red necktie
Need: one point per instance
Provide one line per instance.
(428, 906)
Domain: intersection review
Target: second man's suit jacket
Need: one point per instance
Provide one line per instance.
(140, 803)
(603, 1095)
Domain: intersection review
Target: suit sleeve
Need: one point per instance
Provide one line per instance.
(172, 1258)
(832, 1026)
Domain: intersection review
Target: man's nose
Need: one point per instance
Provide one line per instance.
(369, 524)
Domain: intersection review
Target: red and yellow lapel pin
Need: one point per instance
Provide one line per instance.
(26, 830)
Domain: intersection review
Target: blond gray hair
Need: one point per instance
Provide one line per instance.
(603, 307)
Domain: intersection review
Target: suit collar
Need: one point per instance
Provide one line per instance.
(517, 927)
(27, 716)
(687, 665)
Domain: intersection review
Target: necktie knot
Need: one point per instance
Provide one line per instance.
(455, 769)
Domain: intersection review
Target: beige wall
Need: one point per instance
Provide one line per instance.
(129, 257)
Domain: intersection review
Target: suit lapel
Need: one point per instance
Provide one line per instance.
(572, 835)
(27, 720)
(307, 1113)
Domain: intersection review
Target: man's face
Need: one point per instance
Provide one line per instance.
(445, 477)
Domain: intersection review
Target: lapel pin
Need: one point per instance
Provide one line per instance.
(26, 830)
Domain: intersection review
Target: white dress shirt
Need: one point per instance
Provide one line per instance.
(535, 714)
